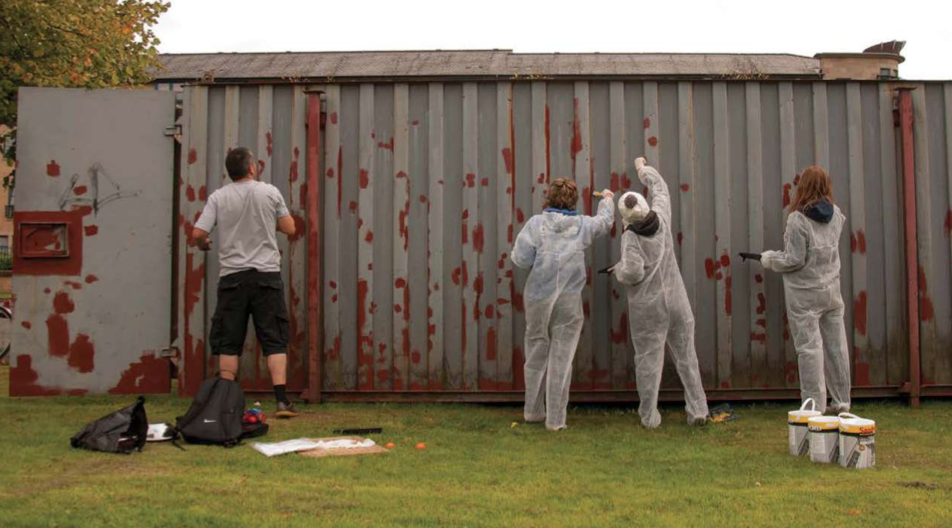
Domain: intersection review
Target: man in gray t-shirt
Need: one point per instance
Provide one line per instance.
(247, 213)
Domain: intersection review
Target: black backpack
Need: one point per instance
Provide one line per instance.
(123, 431)
(215, 414)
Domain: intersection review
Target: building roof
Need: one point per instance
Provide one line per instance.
(476, 64)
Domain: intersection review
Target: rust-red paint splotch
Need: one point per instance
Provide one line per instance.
(386, 145)
(91, 230)
(300, 227)
(647, 123)
(576, 146)
(761, 304)
(80, 190)
(685, 187)
(52, 169)
(293, 171)
(859, 313)
(709, 268)
(202, 193)
(786, 195)
(680, 238)
(725, 260)
(82, 354)
(57, 331)
(861, 242)
(862, 373)
(756, 337)
(62, 303)
(192, 156)
(91, 279)
(363, 178)
(148, 375)
(653, 141)
(26, 324)
(614, 182)
(507, 159)
(190, 193)
(23, 380)
(478, 238)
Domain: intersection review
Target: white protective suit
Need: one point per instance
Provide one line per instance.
(553, 245)
(659, 310)
(810, 263)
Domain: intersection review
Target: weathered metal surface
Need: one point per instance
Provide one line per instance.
(421, 182)
(476, 64)
(95, 188)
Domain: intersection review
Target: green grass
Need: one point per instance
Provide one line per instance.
(605, 470)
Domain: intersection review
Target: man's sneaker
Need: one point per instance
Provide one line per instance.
(285, 410)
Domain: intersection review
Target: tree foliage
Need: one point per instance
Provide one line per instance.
(74, 43)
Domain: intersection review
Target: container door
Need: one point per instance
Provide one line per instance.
(93, 242)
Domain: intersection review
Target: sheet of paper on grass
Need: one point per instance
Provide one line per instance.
(308, 444)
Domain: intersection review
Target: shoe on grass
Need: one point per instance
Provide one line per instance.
(285, 410)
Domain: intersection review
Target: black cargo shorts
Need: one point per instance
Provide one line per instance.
(254, 293)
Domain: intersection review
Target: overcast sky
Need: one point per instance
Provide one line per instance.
(803, 27)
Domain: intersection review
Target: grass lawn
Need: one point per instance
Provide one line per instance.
(605, 470)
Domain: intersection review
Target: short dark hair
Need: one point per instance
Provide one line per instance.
(238, 163)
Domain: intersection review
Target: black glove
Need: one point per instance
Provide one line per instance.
(750, 256)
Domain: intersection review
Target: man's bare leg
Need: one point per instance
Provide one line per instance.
(228, 367)
(278, 366)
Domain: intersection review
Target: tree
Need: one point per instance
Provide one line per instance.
(73, 43)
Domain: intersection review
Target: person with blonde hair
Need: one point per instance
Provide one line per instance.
(810, 264)
(552, 244)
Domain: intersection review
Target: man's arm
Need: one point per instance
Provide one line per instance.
(286, 225)
(200, 238)
(285, 220)
(206, 222)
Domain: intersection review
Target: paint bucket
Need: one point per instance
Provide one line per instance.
(824, 439)
(797, 427)
(857, 442)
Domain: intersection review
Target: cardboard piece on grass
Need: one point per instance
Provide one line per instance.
(322, 453)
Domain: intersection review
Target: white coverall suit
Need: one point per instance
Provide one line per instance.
(810, 263)
(553, 245)
(659, 310)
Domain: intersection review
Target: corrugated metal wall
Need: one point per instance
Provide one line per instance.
(426, 184)
(270, 120)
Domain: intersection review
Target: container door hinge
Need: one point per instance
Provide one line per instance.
(170, 352)
(173, 131)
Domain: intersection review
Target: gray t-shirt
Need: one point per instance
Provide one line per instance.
(246, 214)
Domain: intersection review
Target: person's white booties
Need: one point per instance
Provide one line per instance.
(637, 213)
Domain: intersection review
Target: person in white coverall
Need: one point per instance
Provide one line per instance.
(553, 245)
(810, 264)
(658, 308)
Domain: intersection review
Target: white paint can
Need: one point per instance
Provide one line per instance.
(857, 442)
(797, 427)
(824, 439)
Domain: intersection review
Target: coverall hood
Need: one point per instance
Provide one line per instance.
(821, 211)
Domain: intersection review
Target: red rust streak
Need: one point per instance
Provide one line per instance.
(859, 313)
